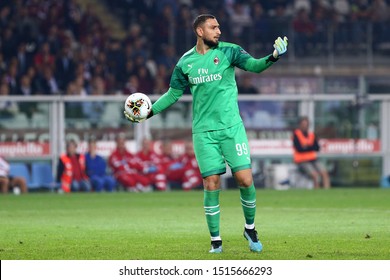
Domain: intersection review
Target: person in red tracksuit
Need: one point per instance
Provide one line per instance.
(127, 169)
(151, 166)
(172, 167)
(184, 169)
(191, 174)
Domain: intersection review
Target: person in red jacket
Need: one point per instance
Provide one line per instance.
(71, 170)
(181, 170)
(305, 154)
(191, 177)
(151, 166)
(127, 168)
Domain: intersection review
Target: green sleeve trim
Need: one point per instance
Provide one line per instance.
(166, 100)
(259, 65)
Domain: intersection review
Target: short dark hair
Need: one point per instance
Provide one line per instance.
(303, 118)
(200, 20)
(71, 142)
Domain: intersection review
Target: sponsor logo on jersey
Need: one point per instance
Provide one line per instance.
(204, 77)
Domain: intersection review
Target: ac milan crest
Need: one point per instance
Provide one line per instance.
(216, 60)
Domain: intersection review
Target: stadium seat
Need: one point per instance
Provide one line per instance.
(42, 176)
(19, 121)
(39, 120)
(21, 169)
(385, 182)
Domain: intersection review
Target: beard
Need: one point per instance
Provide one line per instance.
(209, 43)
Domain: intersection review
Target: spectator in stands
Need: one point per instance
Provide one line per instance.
(183, 29)
(16, 183)
(9, 42)
(151, 167)
(245, 85)
(145, 80)
(182, 170)
(12, 76)
(379, 15)
(304, 29)
(52, 25)
(48, 83)
(306, 146)
(65, 68)
(71, 172)
(3, 64)
(358, 19)
(24, 59)
(96, 169)
(240, 21)
(171, 165)
(127, 169)
(261, 24)
(44, 58)
(34, 80)
(25, 88)
(168, 58)
(8, 109)
(131, 86)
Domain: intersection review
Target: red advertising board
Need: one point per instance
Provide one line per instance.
(24, 149)
(20, 150)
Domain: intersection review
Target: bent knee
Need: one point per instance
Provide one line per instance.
(212, 182)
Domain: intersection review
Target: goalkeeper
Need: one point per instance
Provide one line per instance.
(218, 132)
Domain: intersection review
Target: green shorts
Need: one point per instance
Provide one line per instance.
(213, 149)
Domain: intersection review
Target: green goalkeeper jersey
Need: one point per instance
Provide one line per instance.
(211, 79)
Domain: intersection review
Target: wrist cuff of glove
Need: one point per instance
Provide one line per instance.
(272, 58)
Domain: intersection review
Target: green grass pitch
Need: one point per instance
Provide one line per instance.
(337, 224)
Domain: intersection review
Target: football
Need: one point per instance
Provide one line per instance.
(138, 106)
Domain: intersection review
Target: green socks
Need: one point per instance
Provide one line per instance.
(211, 209)
(248, 202)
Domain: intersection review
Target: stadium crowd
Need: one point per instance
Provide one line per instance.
(54, 47)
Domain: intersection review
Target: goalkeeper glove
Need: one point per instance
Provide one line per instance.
(280, 47)
(131, 119)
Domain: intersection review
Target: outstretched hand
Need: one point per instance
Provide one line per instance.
(280, 47)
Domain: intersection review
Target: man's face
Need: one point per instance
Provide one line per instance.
(92, 147)
(121, 144)
(210, 32)
(304, 125)
(71, 148)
